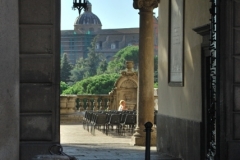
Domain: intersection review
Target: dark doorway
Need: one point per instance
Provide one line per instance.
(204, 31)
(206, 136)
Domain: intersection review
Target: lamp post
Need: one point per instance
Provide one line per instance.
(79, 5)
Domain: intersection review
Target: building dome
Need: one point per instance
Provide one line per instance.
(87, 18)
(87, 21)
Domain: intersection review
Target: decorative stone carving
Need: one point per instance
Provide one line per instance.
(125, 88)
(128, 84)
(129, 65)
(129, 71)
(145, 4)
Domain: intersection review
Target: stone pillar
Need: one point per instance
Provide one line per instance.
(145, 99)
(9, 81)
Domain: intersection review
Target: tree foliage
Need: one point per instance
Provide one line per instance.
(66, 68)
(92, 61)
(77, 73)
(93, 75)
(102, 67)
(63, 86)
(129, 53)
(99, 84)
(89, 66)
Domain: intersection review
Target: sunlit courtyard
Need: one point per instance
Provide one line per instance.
(81, 144)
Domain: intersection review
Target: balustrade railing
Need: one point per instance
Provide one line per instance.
(93, 102)
(74, 103)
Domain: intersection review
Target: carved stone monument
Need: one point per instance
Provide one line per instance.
(125, 88)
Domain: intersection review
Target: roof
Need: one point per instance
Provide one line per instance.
(106, 31)
(119, 31)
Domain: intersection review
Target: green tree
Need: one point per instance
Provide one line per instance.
(66, 68)
(87, 67)
(102, 67)
(63, 86)
(77, 73)
(92, 61)
(129, 53)
(99, 84)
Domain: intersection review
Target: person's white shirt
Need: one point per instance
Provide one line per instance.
(120, 108)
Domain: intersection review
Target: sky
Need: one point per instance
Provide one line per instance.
(112, 14)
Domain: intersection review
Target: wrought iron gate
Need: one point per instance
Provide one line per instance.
(212, 110)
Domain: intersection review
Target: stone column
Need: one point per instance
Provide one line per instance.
(9, 81)
(145, 99)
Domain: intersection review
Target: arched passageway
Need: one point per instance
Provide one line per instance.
(30, 78)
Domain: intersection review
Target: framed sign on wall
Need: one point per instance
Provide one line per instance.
(176, 42)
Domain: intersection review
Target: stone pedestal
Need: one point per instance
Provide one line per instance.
(139, 139)
(145, 98)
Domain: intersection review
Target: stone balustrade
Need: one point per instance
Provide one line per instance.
(93, 102)
(75, 103)
(68, 104)
(72, 107)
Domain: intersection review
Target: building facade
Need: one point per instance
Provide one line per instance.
(199, 113)
(87, 26)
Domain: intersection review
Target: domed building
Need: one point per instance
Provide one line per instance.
(87, 26)
(87, 21)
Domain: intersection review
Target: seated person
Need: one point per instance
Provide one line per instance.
(122, 106)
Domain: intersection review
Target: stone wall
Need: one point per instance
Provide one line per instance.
(9, 81)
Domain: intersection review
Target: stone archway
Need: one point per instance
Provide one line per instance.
(35, 28)
(30, 23)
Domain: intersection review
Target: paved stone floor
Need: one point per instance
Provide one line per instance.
(81, 144)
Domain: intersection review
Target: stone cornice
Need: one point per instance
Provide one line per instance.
(145, 4)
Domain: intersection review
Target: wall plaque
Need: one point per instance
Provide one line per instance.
(176, 33)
